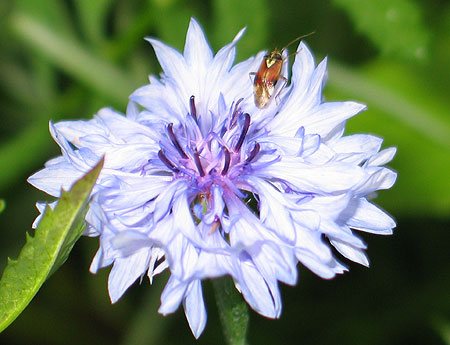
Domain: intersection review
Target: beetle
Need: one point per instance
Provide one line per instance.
(269, 73)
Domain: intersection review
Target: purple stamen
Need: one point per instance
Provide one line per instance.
(193, 108)
(243, 133)
(226, 165)
(254, 152)
(236, 112)
(167, 162)
(174, 141)
(198, 164)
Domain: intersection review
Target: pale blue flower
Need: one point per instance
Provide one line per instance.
(199, 181)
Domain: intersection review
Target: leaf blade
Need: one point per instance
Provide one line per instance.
(71, 56)
(47, 250)
(394, 26)
(232, 16)
(426, 121)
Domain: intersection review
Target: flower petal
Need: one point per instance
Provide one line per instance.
(125, 271)
(172, 296)
(194, 308)
(197, 52)
(350, 252)
(364, 216)
(307, 178)
(382, 157)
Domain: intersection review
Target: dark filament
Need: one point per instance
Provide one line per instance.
(198, 163)
(236, 112)
(174, 141)
(193, 108)
(237, 116)
(226, 165)
(243, 133)
(167, 162)
(254, 152)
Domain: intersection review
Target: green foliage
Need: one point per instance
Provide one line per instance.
(394, 26)
(172, 20)
(233, 311)
(52, 13)
(36, 141)
(67, 59)
(74, 58)
(443, 328)
(93, 18)
(411, 117)
(230, 16)
(42, 254)
(2, 205)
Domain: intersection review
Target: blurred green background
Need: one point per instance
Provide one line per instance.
(67, 59)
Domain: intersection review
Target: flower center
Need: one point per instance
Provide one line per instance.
(218, 154)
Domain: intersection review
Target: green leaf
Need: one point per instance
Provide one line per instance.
(230, 16)
(2, 205)
(137, 331)
(26, 147)
(70, 55)
(132, 35)
(18, 83)
(408, 116)
(394, 89)
(233, 311)
(442, 326)
(53, 13)
(394, 26)
(92, 16)
(42, 254)
(172, 20)
(423, 186)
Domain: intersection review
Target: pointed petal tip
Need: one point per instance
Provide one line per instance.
(302, 45)
(193, 21)
(114, 295)
(163, 311)
(358, 107)
(151, 40)
(239, 34)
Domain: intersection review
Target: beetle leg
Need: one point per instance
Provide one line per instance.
(284, 83)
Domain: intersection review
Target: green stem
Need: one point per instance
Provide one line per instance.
(233, 311)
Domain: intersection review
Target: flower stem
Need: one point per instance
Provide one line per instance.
(233, 311)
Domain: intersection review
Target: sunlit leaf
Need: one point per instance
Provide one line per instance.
(92, 16)
(143, 23)
(26, 147)
(75, 59)
(423, 186)
(442, 326)
(53, 13)
(42, 254)
(398, 91)
(2, 205)
(410, 118)
(230, 16)
(172, 20)
(394, 26)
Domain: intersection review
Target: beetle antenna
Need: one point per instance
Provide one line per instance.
(298, 38)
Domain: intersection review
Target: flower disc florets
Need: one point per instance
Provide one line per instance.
(216, 157)
(200, 181)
